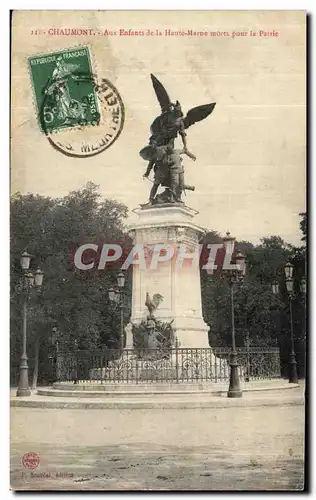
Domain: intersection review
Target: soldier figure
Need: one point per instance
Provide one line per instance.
(176, 173)
(169, 172)
(161, 171)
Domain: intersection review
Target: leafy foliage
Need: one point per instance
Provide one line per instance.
(75, 304)
(261, 319)
(303, 225)
(73, 308)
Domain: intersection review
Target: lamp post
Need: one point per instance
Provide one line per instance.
(247, 340)
(29, 281)
(303, 292)
(234, 276)
(289, 282)
(293, 379)
(117, 295)
(247, 377)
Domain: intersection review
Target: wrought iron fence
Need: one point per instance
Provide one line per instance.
(177, 365)
(255, 362)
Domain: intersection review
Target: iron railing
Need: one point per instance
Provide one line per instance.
(176, 365)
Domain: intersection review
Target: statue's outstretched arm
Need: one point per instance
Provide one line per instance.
(190, 155)
(183, 134)
(186, 152)
(149, 168)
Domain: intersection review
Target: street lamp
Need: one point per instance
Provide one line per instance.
(289, 282)
(303, 292)
(25, 260)
(275, 287)
(29, 281)
(229, 243)
(38, 278)
(303, 286)
(234, 275)
(117, 295)
(288, 269)
(120, 280)
(240, 260)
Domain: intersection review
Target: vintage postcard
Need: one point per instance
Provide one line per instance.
(158, 250)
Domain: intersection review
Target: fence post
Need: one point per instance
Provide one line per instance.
(136, 367)
(177, 360)
(214, 372)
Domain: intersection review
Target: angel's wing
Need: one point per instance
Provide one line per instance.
(161, 94)
(197, 114)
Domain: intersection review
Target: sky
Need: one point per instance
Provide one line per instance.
(249, 175)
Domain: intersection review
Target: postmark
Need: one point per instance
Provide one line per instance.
(80, 115)
(31, 460)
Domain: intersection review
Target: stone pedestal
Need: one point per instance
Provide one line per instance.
(179, 284)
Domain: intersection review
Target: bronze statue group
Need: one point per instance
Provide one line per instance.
(164, 159)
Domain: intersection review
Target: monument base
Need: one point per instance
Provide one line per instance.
(170, 227)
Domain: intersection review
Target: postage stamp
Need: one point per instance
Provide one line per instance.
(69, 98)
(64, 90)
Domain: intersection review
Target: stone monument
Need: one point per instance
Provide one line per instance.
(165, 223)
(177, 279)
(166, 280)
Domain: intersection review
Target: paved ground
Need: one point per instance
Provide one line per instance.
(227, 448)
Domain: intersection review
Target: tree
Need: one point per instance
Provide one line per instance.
(260, 317)
(73, 308)
(303, 225)
(73, 302)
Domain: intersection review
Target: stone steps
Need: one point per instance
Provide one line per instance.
(92, 391)
(155, 387)
(126, 393)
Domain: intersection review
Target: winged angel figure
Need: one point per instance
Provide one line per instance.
(172, 122)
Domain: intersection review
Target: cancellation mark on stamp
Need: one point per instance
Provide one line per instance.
(80, 116)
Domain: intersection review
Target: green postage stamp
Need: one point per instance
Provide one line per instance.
(64, 89)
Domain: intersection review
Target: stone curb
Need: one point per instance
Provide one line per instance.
(186, 388)
(147, 392)
(142, 405)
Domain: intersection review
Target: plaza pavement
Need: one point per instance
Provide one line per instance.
(234, 447)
